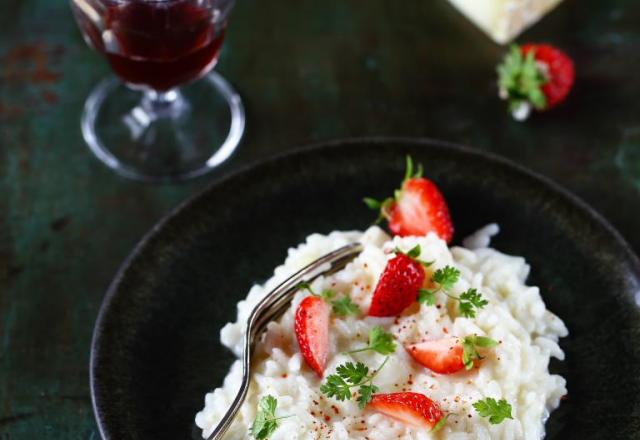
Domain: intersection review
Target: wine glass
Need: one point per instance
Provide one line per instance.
(156, 122)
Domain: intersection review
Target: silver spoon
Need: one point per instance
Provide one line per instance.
(272, 306)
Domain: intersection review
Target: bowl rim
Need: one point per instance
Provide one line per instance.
(310, 149)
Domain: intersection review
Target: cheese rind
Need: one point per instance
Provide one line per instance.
(504, 20)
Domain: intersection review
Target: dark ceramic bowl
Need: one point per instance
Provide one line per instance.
(155, 349)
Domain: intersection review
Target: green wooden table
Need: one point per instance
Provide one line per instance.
(308, 71)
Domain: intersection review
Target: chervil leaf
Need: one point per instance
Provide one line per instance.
(357, 376)
(265, 422)
(259, 428)
(335, 386)
(497, 411)
(345, 307)
(268, 405)
(265, 430)
(470, 302)
(354, 374)
(426, 297)
(466, 309)
(474, 298)
(446, 277)
(366, 393)
(381, 341)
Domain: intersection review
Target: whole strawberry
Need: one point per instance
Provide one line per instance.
(534, 76)
(417, 208)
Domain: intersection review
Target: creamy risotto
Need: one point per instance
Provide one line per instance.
(515, 370)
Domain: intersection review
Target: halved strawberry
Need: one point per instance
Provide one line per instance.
(420, 208)
(417, 208)
(398, 286)
(414, 409)
(312, 332)
(442, 356)
(450, 355)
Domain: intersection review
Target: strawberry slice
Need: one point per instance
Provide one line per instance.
(312, 332)
(450, 355)
(413, 409)
(417, 208)
(444, 356)
(398, 286)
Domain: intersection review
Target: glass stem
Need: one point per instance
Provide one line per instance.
(166, 104)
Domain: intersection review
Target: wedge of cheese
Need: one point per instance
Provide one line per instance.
(504, 20)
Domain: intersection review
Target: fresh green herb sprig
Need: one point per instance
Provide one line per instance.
(384, 206)
(497, 411)
(470, 345)
(341, 306)
(469, 301)
(379, 341)
(350, 375)
(266, 421)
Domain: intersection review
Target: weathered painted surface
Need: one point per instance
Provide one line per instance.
(308, 71)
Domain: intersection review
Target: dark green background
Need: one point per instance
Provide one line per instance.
(308, 71)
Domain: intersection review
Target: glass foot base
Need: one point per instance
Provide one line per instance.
(163, 137)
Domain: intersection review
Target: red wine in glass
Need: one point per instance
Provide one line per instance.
(160, 44)
(155, 47)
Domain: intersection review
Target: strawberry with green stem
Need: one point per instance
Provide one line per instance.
(417, 208)
(534, 77)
